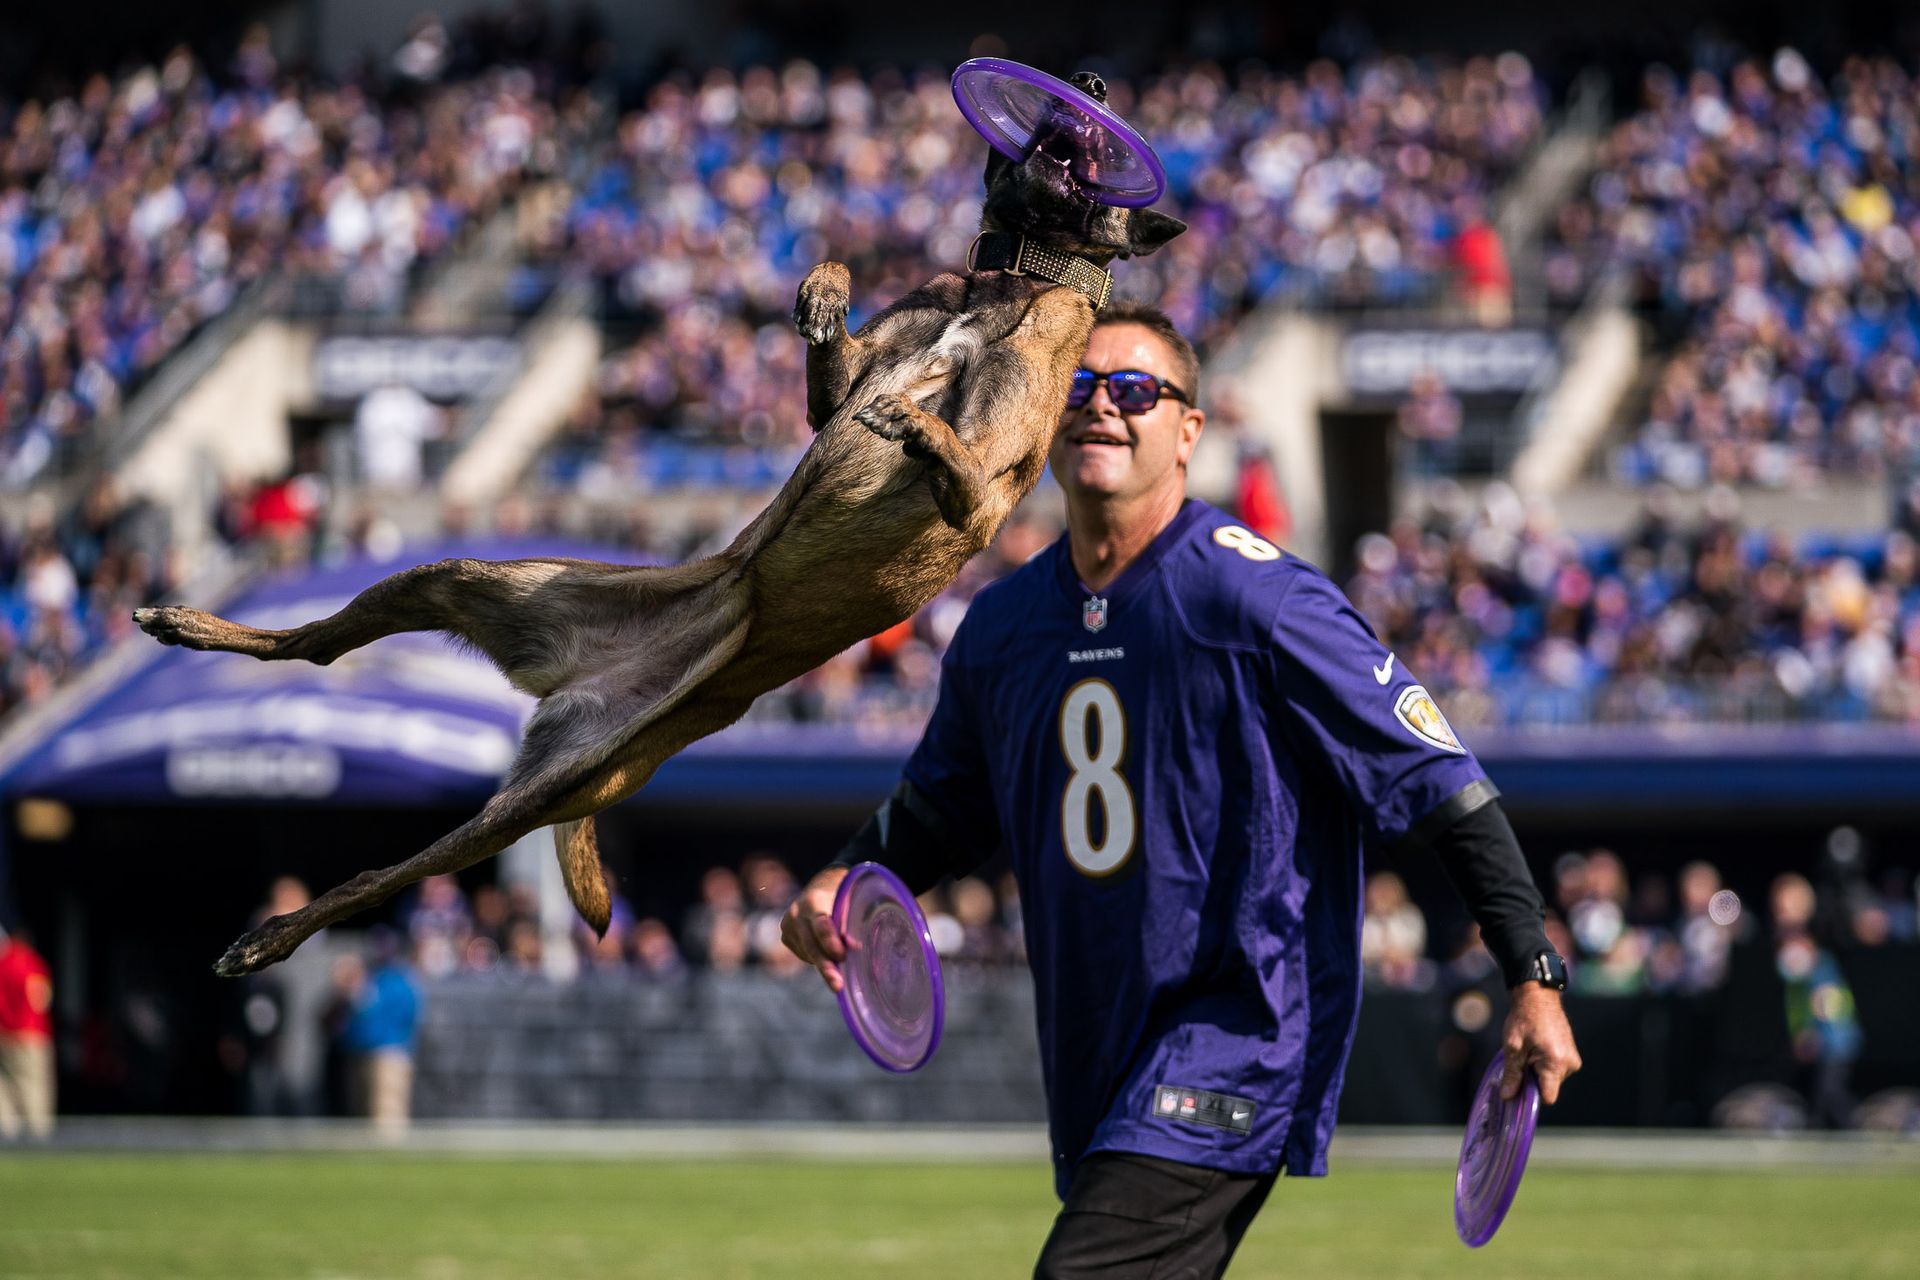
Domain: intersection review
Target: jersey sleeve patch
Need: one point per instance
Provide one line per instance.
(1420, 714)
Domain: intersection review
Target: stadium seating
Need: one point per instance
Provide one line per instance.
(1335, 187)
(1768, 215)
(137, 210)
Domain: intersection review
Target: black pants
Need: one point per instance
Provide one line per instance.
(1143, 1218)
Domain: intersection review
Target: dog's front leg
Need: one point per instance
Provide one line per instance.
(959, 481)
(833, 355)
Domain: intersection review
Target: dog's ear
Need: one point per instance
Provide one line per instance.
(1148, 229)
(997, 164)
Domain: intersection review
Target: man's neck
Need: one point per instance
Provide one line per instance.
(1104, 536)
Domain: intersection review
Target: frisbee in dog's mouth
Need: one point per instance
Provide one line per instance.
(1019, 110)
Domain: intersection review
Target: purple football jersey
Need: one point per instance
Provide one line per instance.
(1186, 767)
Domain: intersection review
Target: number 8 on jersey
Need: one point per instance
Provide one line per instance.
(1093, 737)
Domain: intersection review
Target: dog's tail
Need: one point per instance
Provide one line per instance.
(581, 868)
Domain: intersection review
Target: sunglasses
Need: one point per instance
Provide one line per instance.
(1130, 390)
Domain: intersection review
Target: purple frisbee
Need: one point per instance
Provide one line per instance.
(1018, 108)
(892, 997)
(1493, 1155)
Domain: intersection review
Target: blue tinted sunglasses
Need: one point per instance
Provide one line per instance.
(1130, 390)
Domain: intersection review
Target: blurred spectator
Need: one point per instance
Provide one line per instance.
(982, 940)
(1708, 913)
(391, 427)
(382, 1015)
(770, 887)
(26, 1039)
(1821, 1020)
(438, 925)
(1486, 284)
(722, 900)
(274, 1044)
(1393, 936)
(655, 954)
(1429, 420)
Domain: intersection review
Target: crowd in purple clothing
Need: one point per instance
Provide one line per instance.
(1776, 217)
(138, 208)
(1510, 620)
(1337, 185)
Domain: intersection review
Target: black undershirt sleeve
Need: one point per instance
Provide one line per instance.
(1482, 857)
(908, 837)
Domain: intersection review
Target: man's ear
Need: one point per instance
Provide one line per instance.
(1192, 422)
(1148, 229)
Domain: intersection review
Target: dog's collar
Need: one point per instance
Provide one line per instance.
(1018, 256)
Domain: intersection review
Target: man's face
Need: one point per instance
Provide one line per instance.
(1101, 452)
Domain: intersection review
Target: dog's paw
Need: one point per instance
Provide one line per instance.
(271, 943)
(172, 624)
(820, 310)
(890, 417)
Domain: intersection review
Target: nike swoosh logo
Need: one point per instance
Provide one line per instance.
(1241, 1115)
(1384, 673)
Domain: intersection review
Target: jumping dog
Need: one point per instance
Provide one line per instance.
(932, 423)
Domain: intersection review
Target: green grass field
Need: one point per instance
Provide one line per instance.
(335, 1217)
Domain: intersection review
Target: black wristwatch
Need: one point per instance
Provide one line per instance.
(1549, 970)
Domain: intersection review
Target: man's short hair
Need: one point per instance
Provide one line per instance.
(1186, 364)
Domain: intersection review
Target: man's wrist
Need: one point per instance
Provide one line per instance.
(1544, 970)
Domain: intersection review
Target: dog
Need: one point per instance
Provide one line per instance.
(931, 424)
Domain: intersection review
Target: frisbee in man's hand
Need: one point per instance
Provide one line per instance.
(1019, 109)
(891, 994)
(1493, 1154)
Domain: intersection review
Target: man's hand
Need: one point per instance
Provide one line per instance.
(808, 929)
(1537, 1036)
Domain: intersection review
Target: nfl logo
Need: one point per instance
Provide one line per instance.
(1094, 613)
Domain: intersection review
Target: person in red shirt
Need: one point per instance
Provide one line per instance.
(26, 1040)
(1486, 282)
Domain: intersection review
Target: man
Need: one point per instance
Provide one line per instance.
(1185, 737)
(381, 1030)
(26, 1040)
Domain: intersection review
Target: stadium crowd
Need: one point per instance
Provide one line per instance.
(1772, 218)
(137, 209)
(1510, 620)
(1369, 184)
(732, 926)
(1622, 934)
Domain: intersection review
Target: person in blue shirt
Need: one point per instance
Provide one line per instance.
(1186, 738)
(381, 1028)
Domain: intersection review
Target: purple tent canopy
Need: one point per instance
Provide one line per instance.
(410, 720)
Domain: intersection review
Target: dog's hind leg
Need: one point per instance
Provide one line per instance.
(447, 595)
(530, 617)
(509, 815)
(575, 759)
(834, 357)
(562, 760)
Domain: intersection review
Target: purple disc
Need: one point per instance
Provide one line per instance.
(1016, 107)
(893, 999)
(1493, 1155)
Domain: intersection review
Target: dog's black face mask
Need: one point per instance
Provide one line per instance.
(1039, 198)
